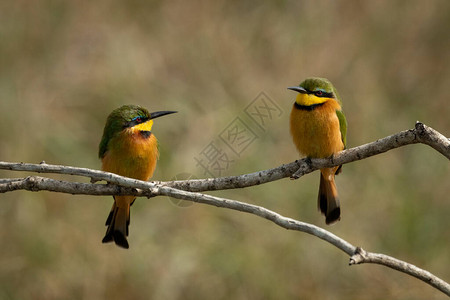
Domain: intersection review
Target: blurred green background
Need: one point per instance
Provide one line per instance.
(64, 66)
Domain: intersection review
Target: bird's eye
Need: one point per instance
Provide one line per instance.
(137, 119)
(318, 93)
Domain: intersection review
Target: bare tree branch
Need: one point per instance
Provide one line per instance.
(420, 134)
(361, 256)
(37, 183)
(187, 190)
(357, 255)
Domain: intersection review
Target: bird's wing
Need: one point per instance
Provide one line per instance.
(343, 126)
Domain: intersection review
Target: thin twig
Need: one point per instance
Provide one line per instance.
(357, 255)
(38, 183)
(179, 189)
(361, 256)
(420, 134)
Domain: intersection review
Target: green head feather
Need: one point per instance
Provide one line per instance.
(118, 120)
(313, 84)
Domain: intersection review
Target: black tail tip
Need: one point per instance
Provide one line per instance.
(120, 239)
(333, 216)
(108, 238)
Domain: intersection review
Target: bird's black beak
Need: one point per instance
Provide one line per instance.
(158, 114)
(298, 89)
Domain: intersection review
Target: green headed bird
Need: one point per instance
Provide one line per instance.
(319, 128)
(128, 148)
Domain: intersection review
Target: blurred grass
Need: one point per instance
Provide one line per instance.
(66, 65)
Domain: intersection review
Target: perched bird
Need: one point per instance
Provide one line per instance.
(319, 128)
(128, 148)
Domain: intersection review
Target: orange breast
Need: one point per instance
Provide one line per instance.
(131, 154)
(316, 133)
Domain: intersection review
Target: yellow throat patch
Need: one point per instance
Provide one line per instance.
(310, 99)
(146, 126)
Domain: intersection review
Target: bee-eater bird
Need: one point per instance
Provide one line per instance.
(128, 148)
(319, 128)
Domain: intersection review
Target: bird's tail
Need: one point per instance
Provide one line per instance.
(118, 221)
(328, 200)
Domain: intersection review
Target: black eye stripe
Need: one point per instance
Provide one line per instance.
(321, 94)
(139, 119)
(136, 120)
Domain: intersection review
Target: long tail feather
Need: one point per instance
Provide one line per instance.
(328, 200)
(117, 222)
(110, 223)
